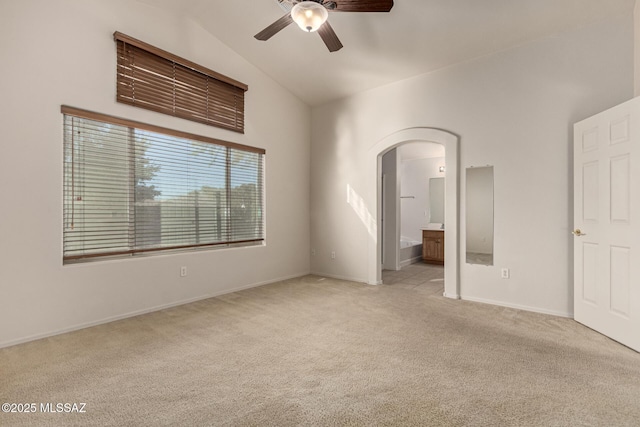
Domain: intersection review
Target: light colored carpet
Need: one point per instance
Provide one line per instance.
(314, 351)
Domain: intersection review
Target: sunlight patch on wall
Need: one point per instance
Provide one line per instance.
(358, 205)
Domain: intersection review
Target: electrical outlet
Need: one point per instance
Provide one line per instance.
(183, 271)
(505, 273)
(333, 254)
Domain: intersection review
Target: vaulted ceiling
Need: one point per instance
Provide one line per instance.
(416, 37)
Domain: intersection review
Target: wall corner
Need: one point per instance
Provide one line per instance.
(636, 49)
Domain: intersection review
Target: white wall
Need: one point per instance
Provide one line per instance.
(513, 110)
(391, 225)
(414, 181)
(62, 52)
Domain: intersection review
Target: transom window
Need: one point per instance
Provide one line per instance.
(151, 78)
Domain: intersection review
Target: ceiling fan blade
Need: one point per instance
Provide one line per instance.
(329, 37)
(274, 28)
(363, 5)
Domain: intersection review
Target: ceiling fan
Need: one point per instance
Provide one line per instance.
(311, 15)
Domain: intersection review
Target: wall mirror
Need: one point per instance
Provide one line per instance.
(436, 200)
(479, 215)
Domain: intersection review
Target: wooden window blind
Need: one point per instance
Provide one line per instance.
(132, 188)
(151, 78)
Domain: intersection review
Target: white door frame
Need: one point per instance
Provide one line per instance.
(452, 215)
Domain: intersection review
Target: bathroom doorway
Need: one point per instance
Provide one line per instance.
(412, 200)
(375, 155)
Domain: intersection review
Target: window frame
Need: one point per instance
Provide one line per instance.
(135, 125)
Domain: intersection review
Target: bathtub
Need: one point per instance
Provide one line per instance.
(410, 251)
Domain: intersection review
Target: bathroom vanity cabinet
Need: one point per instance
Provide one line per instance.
(433, 246)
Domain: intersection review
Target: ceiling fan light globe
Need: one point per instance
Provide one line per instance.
(309, 15)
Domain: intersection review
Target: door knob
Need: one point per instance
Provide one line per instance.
(578, 233)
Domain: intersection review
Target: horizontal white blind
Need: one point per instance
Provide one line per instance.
(130, 190)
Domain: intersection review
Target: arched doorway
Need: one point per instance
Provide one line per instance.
(374, 162)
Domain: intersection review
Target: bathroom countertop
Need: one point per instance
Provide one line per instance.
(432, 229)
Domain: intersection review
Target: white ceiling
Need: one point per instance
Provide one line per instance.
(416, 37)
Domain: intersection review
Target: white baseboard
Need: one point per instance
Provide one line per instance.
(254, 285)
(519, 307)
(338, 277)
(451, 296)
(143, 311)
(410, 261)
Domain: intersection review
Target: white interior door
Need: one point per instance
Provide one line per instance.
(607, 223)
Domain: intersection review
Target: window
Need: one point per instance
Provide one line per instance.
(151, 78)
(131, 188)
